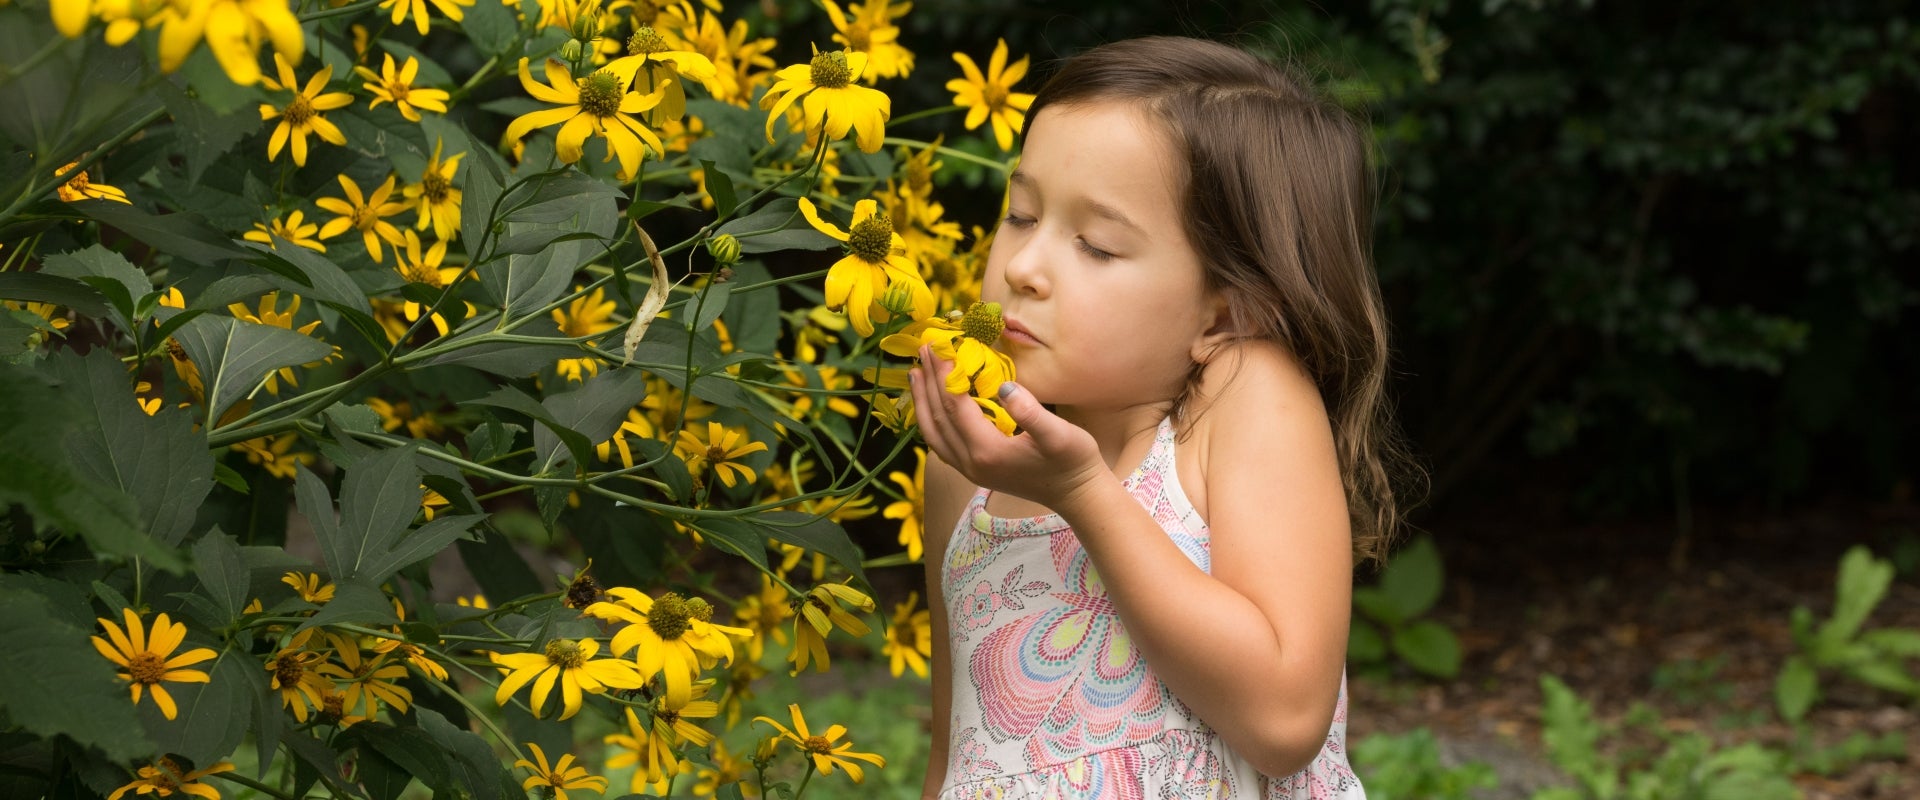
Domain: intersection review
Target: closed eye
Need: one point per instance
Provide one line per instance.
(1017, 221)
(1092, 252)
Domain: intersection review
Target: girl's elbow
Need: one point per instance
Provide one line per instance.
(1284, 749)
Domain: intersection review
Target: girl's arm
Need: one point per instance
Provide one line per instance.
(945, 495)
(1257, 648)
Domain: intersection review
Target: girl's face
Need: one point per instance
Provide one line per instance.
(1104, 297)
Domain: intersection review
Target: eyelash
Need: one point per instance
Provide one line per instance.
(1092, 252)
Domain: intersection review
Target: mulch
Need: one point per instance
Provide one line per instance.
(1629, 612)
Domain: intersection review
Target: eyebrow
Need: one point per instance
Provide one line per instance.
(1098, 208)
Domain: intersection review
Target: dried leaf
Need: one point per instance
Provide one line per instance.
(656, 297)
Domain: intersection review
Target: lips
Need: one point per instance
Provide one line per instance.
(1018, 333)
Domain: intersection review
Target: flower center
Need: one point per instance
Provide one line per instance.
(830, 70)
(699, 609)
(298, 111)
(364, 218)
(418, 272)
(946, 271)
(565, 654)
(287, 672)
(582, 592)
(146, 668)
(166, 770)
(600, 94)
(334, 707)
(817, 744)
(645, 41)
(995, 95)
(399, 91)
(872, 238)
(435, 186)
(668, 617)
(716, 454)
(982, 322)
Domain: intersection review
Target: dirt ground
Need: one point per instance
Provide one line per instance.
(1622, 615)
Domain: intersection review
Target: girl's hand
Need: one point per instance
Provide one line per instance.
(1050, 462)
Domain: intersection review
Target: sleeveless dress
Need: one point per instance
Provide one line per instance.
(1051, 700)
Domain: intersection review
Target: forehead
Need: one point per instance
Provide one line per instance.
(1106, 153)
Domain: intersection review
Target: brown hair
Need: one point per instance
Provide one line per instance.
(1278, 205)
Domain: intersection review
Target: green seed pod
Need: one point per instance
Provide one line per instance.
(724, 248)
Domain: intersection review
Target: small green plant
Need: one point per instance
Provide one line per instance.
(1407, 766)
(1856, 749)
(1685, 767)
(1839, 646)
(1389, 624)
(1693, 682)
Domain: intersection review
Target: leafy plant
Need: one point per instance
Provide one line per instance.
(1408, 766)
(1840, 646)
(1693, 681)
(1389, 622)
(1687, 766)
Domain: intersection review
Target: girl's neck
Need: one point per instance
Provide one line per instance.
(1123, 434)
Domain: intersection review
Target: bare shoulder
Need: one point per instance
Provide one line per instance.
(946, 494)
(1256, 393)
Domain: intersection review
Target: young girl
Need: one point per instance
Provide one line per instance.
(1147, 589)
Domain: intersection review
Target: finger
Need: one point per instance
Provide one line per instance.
(1034, 418)
(928, 416)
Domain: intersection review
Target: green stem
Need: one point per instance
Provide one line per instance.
(10, 71)
(475, 712)
(250, 783)
(925, 112)
(998, 166)
(351, 8)
(33, 189)
(804, 779)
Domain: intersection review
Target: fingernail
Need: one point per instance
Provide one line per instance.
(1007, 389)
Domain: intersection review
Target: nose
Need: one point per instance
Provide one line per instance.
(1024, 269)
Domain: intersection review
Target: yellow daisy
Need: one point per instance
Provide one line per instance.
(569, 663)
(424, 269)
(909, 638)
(823, 748)
(365, 214)
(910, 509)
(560, 777)
(671, 637)
(765, 614)
(398, 89)
(309, 586)
(294, 229)
(830, 101)
(876, 263)
(667, 68)
(585, 316)
(870, 30)
(369, 681)
(418, 10)
(237, 29)
(270, 314)
(274, 453)
(165, 778)
(991, 96)
(720, 451)
(145, 662)
(301, 114)
(599, 104)
(964, 339)
(296, 676)
(435, 198)
(652, 759)
(79, 187)
(820, 613)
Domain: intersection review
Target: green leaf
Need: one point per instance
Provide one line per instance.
(1429, 647)
(52, 681)
(311, 275)
(493, 30)
(1796, 689)
(491, 439)
(160, 460)
(234, 357)
(471, 761)
(41, 287)
(1364, 644)
(720, 188)
(1896, 642)
(497, 567)
(482, 187)
(1886, 674)
(506, 359)
(182, 234)
(204, 134)
(213, 715)
(513, 399)
(353, 604)
(1413, 578)
(1863, 582)
(594, 411)
(753, 317)
(1376, 605)
(1571, 737)
(37, 472)
(734, 535)
(99, 262)
(378, 499)
(778, 225)
(709, 303)
(815, 533)
(222, 573)
(412, 749)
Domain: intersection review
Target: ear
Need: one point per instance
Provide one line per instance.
(1221, 330)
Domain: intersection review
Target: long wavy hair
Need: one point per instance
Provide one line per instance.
(1278, 201)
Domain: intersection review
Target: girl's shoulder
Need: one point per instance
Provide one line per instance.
(945, 493)
(1256, 416)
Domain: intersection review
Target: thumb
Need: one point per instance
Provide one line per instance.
(1027, 412)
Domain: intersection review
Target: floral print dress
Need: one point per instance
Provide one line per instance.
(1050, 697)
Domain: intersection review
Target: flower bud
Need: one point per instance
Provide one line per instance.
(724, 248)
(570, 51)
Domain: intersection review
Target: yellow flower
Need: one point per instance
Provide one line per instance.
(476, 601)
(991, 96)
(415, 657)
(966, 340)
(667, 68)
(147, 662)
(639, 745)
(369, 682)
(821, 613)
(727, 770)
(570, 664)
(309, 587)
(830, 381)
(732, 56)
(871, 31)
(829, 100)
(638, 426)
(296, 676)
(269, 314)
(435, 198)
(301, 114)
(149, 404)
(596, 105)
(765, 614)
(823, 748)
(165, 779)
(238, 27)
(295, 229)
(365, 214)
(720, 451)
(273, 454)
(398, 89)
(876, 263)
(910, 509)
(560, 777)
(79, 187)
(671, 637)
(585, 316)
(395, 414)
(418, 8)
(425, 269)
(909, 638)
